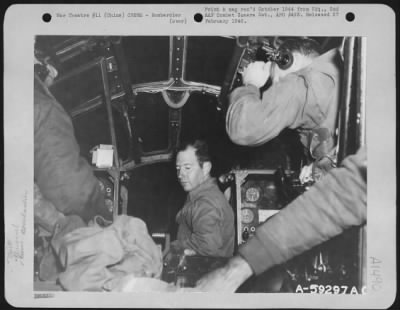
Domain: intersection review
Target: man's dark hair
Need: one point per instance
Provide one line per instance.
(200, 147)
(305, 46)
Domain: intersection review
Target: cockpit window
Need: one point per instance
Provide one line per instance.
(200, 117)
(151, 122)
(208, 58)
(147, 58)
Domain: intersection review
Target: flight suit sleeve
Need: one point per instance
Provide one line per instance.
(206, 238)
(63, 176)
(252, 120)
(299, 100)
(332, 205)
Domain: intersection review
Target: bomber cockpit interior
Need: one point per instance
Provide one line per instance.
(138, 97)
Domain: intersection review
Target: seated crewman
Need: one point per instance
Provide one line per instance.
(206, 221)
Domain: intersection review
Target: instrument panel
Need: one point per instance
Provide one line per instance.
(257, 199)
(260, 194)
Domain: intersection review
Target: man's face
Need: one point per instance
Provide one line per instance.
(188, 170)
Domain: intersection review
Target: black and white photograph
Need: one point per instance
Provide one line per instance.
(178, 158)
(200, 163)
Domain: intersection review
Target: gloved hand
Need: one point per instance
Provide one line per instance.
(256, 73)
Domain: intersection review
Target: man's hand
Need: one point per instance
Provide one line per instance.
(189, 252)
(225, 279)
(175, 249)
(256, 73)
(306, 174)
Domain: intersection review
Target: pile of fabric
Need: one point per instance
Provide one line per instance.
(95, 258)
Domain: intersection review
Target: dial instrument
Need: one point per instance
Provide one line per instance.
(247, 215)
(252, 194)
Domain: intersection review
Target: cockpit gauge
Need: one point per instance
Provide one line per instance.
(252, 194)
(247, 215)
